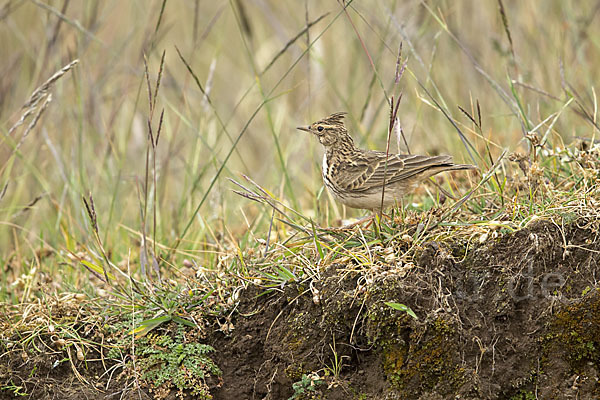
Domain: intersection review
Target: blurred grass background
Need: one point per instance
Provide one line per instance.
(92, 137)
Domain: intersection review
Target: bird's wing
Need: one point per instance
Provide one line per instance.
(368, 171)
(356, 172)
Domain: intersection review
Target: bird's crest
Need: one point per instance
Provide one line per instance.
(334, 119)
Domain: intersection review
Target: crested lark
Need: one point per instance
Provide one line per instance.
(355, 177)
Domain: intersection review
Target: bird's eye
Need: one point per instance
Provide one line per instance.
(320, 129)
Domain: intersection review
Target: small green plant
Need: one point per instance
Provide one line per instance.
(338, 363)
(307, 384)
(523, 395)
(585, 291)
(166, 362)
(14, 389)
(401, 307)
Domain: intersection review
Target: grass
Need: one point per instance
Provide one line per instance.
(149, 158)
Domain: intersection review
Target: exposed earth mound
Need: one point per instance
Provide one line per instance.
(515, 317)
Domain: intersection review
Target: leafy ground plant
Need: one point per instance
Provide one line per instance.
(164, 362)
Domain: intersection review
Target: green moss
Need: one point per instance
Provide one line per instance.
(295, 371)
(296, 337)
(393, 359)
(416, 360)
(523, 395)
(431, 362)
(574, 334)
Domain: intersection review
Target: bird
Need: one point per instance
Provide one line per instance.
(356, 177)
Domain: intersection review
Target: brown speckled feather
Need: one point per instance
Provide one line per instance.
(356, 177)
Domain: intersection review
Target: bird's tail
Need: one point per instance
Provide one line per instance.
(432, 165)
(451, 167)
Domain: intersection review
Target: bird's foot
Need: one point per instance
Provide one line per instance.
(368, 219)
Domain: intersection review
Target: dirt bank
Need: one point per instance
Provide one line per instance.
(516, 317)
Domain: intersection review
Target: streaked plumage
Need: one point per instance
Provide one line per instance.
(355, 177)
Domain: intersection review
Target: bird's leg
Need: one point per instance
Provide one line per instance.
(368, 218)
(379, 213)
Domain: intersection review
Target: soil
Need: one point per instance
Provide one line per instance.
(518, 317)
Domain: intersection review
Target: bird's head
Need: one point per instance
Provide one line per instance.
(330, 130)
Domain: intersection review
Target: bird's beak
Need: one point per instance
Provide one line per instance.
(303, 128)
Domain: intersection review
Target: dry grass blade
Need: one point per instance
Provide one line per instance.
(244, 18)
(505, 24)
(41, 92)
(209, 83)
(29, 128)
(345, 6)
(466, 142)
(3, 191)
(91, 212)
(9, 7)
(160, 17)
(466, 113)
(28, 207)
(501, 92)
(151, 152)
(159, 79)
(570, 91)
(484, 179)
(75, 23)
(535, 89)
(208, 99)
(31, 105)
(148, 86)
(21, 120)
(292, 41)
(400, 66)
(43, 89)
(308, 69)
(393, 122)
(264, 198)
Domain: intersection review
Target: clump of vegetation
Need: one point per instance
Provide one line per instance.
(306, 387)
(167, 362)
